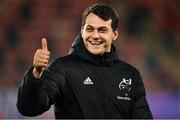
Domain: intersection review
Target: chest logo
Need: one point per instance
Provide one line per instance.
(125, 84)
(88, 81)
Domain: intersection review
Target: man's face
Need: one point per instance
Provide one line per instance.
(98, 35)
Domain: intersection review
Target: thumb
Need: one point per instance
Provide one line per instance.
(44, 44)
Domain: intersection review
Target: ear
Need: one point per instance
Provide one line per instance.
(116, 34)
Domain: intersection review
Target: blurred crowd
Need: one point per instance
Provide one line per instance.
(149, 40)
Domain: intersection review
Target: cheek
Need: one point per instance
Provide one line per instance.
(108, 39)
(86, 36)
(83, 33)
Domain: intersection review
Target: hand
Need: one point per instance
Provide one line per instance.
(41, 59)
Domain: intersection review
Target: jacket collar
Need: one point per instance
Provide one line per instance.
(79, 49)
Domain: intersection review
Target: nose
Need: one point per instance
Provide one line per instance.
(95, 34)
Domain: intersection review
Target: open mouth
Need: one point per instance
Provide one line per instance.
(96, 42)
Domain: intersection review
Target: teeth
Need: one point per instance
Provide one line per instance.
(95, 42)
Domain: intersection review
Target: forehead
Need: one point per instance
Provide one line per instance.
(95, 21)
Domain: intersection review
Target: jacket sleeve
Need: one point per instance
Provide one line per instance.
(140, 108)
(35, 96)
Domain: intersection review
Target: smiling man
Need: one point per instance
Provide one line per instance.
(90, 82)
(98, 34)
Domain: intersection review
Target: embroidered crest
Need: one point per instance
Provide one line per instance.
(125, 84)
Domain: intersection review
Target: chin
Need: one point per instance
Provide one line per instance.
(96, 53)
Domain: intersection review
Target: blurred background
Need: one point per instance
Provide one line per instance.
(149, 40)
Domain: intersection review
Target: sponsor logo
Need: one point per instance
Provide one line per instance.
(123, 98)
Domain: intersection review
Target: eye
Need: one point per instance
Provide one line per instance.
(103, 30)
(89, 29)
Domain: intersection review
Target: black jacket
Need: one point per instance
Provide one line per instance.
(82, 85)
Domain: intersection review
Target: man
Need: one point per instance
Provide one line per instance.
(90, 82)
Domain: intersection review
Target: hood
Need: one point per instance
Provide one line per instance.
(80, 50)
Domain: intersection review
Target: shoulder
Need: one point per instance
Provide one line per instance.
(128, 72)
(127, 67)
(63, 62)
(133, 73)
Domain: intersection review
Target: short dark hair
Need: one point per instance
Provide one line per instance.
(103, 11)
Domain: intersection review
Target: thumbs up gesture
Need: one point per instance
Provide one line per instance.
(41, 59)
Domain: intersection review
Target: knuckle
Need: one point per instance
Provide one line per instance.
(38, 50)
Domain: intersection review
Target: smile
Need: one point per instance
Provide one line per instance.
(96, 42)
